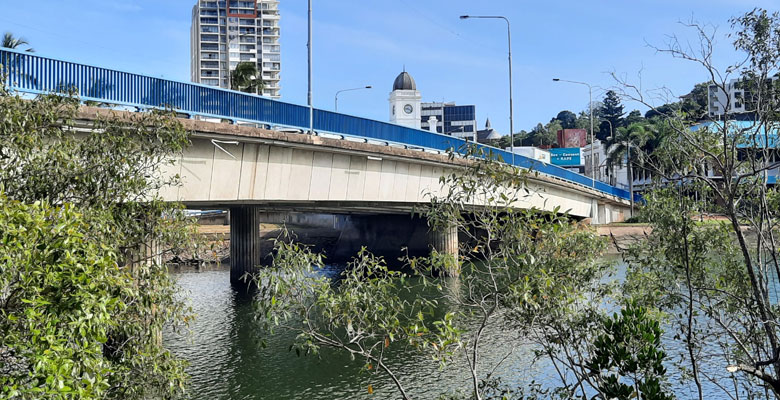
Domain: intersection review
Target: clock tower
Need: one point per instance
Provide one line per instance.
(405, 102)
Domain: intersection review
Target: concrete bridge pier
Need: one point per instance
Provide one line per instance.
(245, 254)
(445, 241)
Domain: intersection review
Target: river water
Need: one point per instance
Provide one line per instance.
(227, 362)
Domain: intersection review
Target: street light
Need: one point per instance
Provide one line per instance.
(509, 43)
(336, 98)
(311, 107)
(592, 140)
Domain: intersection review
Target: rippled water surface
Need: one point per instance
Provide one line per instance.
(226, 361)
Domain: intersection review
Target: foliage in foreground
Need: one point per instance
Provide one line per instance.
(717, 283)
(530, 274)
(83, 293)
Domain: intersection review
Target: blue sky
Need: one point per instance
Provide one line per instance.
(368, 42)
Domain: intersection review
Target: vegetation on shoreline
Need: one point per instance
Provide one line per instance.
(83, 292)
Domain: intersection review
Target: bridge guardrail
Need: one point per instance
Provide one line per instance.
(34, 74)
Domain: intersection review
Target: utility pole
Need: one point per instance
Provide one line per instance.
(311, 107)
(509, 43)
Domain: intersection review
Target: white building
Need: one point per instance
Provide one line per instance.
(225, 33)
(720, 102)
(405, 101)
(734, 100)
(532, 152)
(618, 176)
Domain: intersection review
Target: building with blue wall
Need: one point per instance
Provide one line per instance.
(451, 119)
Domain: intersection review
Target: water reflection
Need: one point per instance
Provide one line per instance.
(227, 361)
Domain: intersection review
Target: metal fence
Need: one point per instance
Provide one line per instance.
(31, 73)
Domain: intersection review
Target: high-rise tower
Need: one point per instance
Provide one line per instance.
(226, 33)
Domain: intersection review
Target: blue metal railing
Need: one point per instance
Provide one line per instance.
(34, 74)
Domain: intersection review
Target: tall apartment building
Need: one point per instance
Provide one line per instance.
(226, 33)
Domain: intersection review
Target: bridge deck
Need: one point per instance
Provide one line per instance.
(36, 74)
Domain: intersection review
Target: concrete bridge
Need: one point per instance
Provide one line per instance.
(262, 161)
(255, 171)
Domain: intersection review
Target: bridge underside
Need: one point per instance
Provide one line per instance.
(338, 237)
(315, 207)
(313, 174)
(371, 190)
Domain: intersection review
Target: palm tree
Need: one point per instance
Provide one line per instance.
(10, 62)
(624, 146)
(244, 78)
(11, 42)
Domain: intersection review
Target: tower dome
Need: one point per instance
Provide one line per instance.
(404, 81)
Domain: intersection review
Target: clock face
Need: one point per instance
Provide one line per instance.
(408, 109)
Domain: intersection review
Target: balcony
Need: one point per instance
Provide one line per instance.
(242, 11)
(209, 38)
(209, 56)
(242, 4)
(271, 32)
(266, 6)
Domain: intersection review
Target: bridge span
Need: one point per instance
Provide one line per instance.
(257, 172)
(264, 160)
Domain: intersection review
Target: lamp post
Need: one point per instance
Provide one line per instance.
(509, 43)
(311, 108)
(592, 140)
(336, 98)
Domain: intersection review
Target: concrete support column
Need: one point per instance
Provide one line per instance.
(147, 254)
(594, 212)
(445, 242)
(244, 242)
